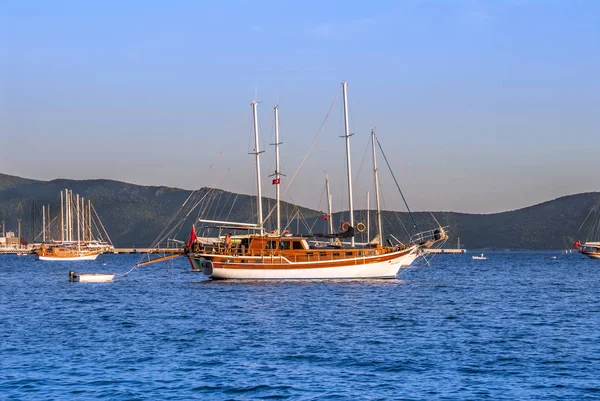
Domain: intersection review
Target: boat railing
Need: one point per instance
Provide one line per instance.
(429, 237)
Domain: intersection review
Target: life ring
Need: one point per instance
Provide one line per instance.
(360, 227)
(345, 226)
(286, 232)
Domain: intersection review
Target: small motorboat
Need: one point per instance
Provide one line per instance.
(480, 257)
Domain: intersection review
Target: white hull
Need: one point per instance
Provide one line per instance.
(71, 258)
(94, 278)
(409, 259)
(387, 269)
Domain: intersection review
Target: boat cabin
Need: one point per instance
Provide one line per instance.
(278, 244)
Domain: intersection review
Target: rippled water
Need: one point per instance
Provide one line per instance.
(520, 325)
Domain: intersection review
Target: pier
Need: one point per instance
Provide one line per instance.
(144, 250)
(446, 251)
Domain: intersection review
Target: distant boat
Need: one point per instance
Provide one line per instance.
(480, 257)
(591, 248)
(77, 241)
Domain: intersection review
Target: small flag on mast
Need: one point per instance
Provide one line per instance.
(276, 181)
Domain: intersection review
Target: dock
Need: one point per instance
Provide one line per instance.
(15, 251)
(446, 251)
(144, 250)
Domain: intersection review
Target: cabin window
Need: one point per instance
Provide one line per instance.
(284, 245)
(348, 253)
(336, 254)
(309, 253)
(322, 253)
(271, 245)
(297, 245)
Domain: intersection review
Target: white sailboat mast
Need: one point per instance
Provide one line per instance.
(62, 218)
(90, 220)
(68, 214)
(368, 217)
(376, 173)
(49, 225)
(83, 219)
(277, 170)
(43, 223)
(77, 212)
(348, 163)
(329, 216)
(257, 153)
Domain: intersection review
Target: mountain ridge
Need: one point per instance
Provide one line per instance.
(135, 214)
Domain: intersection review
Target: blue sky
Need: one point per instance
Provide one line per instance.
(482, 106)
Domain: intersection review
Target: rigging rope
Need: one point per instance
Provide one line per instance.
(397, 185)
(312, 144)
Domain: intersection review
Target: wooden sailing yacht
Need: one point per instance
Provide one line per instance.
(281, 255)
(75, 218)
(591, 247)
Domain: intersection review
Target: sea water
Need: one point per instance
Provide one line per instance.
(520, 325)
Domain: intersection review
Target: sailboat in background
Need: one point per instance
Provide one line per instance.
(282, 255)
(77, 239)
(591, 247)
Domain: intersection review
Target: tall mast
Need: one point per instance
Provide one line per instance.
(67, 216)
(376, 173)
(368, 217)
(62, 222)
(348, 164)
(70, 208)
(257, 153)
(329, 216)
(49, 224)
(89, 220)
(277, 171)
(77, 213)
(43, 223)
(83, 223)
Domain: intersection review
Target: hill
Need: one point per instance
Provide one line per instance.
(136, 215)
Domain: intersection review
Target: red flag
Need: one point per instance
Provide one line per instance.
(276, 181)
(325, 217)
(577, 244)
(192, 237)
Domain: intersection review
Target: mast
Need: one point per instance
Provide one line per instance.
(277, 171)
(77, 213)
(89, 220)
(348, 164)
(329, 205)
(257, 153)
(67, 216)
(43, 223)
(376, 173)
(62, 221)
(49, 224)
(83, 223)
(368, 218)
